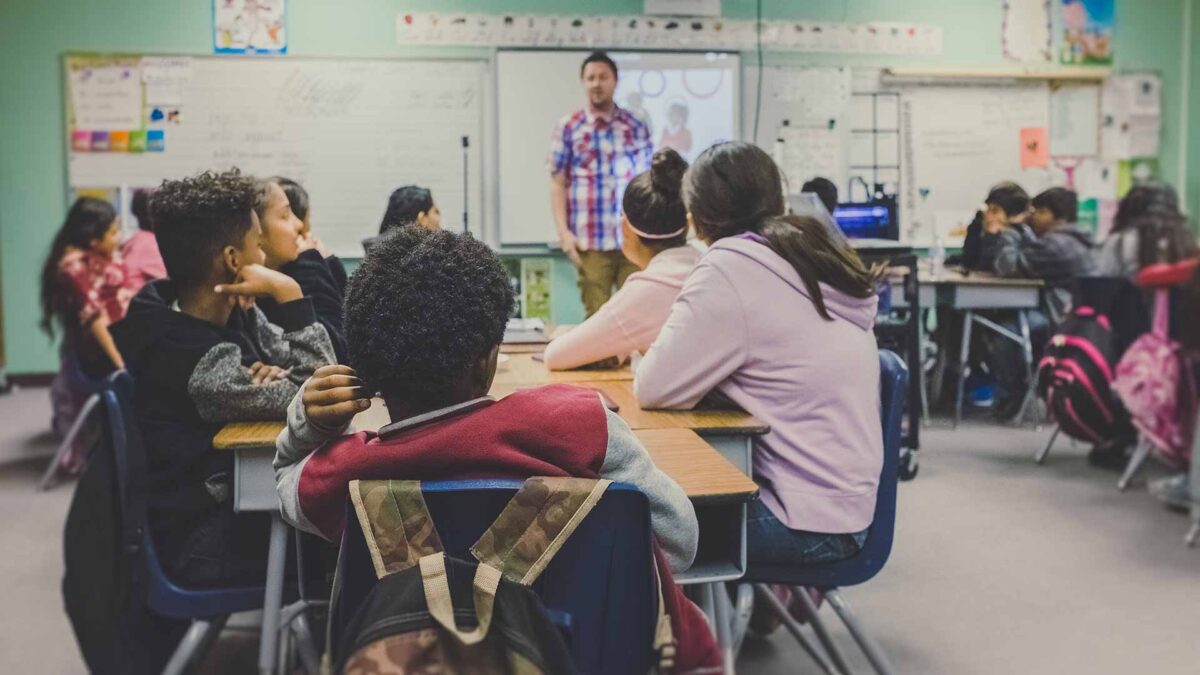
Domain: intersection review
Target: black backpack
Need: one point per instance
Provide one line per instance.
(1075, 378)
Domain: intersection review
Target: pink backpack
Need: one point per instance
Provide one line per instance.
(1155, 383)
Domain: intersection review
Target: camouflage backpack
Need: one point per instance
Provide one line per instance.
(431, 613)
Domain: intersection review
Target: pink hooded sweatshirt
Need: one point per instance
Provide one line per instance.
(631, 319)
(744, 325)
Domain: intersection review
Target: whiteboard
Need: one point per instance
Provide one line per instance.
(536, 89)
(957, 142)
(349, 130)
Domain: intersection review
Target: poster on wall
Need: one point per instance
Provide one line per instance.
(250, 26)
(1087, 37)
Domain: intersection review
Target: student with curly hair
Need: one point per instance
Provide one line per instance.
(425, 315)
(203, 355)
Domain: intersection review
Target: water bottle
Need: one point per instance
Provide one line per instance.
(937, 257)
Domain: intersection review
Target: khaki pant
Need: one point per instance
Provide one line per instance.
(600, 272)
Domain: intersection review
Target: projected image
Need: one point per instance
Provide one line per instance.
(687, 109)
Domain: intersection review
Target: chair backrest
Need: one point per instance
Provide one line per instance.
(123, 440)
(599, 586)
(893, 394)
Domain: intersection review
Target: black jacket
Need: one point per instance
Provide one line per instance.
(190, 379)
(324, 281)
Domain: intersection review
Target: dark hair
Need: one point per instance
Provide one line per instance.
(404, 205)
(1010, 197)
(196, 217)
(297, 196)
(262, 192)
(1163, 233)
(735, 187)
(598, 57)
(422, 308)
(1061, 202)
(825, 190)
(87, 220)
(652, 201)
(140, 207)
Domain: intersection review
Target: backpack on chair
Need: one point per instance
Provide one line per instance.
(1075, 378)
(1155, 382)
(429, 612)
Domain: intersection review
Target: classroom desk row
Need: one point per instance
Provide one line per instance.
(707, 452)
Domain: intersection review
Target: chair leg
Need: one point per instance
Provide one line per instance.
(1041, 456)
(1135, 463)
(195, 643)
(50, 477)
(963, 359)
(819, 628)
(743, 607)
(874, 654)
(305, 645)
(763, 593)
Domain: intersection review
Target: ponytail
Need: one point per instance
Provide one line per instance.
(819, 259)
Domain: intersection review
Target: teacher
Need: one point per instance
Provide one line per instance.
(594, 154)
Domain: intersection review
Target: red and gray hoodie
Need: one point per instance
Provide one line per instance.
(557, 430)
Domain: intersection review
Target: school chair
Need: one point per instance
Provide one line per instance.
(208, 609)
(72, 370)
(599, 588)
(1161, 278)
(828, 578)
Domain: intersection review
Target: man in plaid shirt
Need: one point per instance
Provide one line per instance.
(594, 154)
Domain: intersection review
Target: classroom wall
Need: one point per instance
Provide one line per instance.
(36, 34)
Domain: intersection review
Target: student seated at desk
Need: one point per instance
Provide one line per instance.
(286, 249)
(425, 315)
(654, 239)
(778, 317)
(1006, 202)
(408, 205)
(1148, 229)
(299, 201)
(202, 355)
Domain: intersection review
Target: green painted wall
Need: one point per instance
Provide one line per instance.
(34, 34)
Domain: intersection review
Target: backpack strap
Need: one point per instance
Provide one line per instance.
(535, 524)
(441, 606)
(395, 523)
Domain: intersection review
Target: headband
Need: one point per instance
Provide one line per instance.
(670, 235)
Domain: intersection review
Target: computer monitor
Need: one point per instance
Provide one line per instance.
(868, 220)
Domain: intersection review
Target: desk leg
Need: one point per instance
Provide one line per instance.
(1030, 392)
(964, 357)
(1193, 534)
(273, 601)
(920, 373)
(724, 625)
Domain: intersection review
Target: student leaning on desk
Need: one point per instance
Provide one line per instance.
(425, 334)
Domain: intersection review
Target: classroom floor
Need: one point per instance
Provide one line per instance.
(1000, 566)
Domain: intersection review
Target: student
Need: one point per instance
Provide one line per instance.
(429, 348)
(655, 239)
(201, 356)
(143, 262)
(1147, 229)
(408, 205)
(286, 250)
(1053, 248)
(1006, 203)
(84, 289)
(298, 200)
(778, 318)
(825, 190)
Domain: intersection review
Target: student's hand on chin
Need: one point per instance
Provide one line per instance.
(258, 281)
(333, 396)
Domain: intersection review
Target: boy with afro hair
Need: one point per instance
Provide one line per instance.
(425, 316)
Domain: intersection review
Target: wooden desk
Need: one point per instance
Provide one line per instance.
(716, 422)
(521, 370)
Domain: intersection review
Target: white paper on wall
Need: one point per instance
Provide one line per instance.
(107, 98)
(1026, 30)
(1075, 121)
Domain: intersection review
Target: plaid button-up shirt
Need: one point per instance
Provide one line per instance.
(599, 156)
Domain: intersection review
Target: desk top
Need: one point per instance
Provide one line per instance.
(521, 370)
(691, 462)
(957, 277)
(703, 421)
